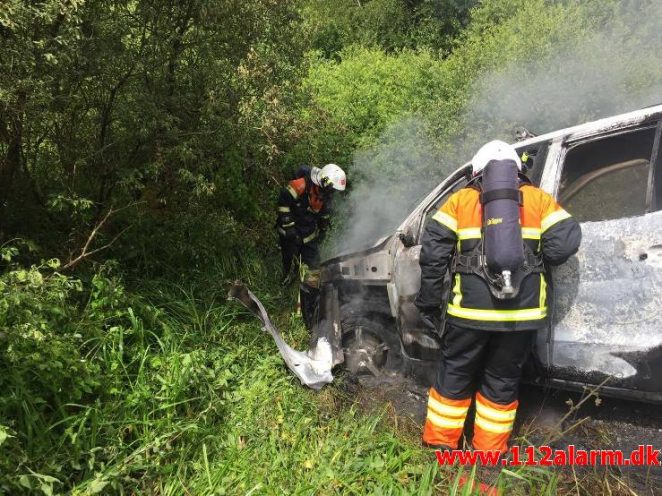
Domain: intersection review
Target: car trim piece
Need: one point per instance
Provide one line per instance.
(651, 199)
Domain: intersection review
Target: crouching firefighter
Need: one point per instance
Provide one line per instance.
(503, 232)
(304, 208)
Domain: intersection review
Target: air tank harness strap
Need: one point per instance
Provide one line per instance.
(474, 263)
(502, 194)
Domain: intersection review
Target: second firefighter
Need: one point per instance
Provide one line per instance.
(304, 215)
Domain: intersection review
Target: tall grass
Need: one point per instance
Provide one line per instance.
(172, 392)
(177, 391)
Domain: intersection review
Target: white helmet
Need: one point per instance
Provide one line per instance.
(329, 175)
(494, 150)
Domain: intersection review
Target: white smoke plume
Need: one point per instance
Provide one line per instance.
(610, 71)
(615, 70)
(386, 182)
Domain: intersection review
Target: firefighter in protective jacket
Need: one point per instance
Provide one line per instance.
(304, 212)
(303, 218)
(492, 315)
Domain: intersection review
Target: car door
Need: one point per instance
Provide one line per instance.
(607, 304)
(418, 342)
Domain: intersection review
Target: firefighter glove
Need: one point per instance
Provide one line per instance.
(290, 234)
(324, 223)
(431, 317)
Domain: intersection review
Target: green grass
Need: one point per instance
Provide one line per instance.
(179, 392)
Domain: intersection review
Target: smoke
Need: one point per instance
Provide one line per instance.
(615, 69)
(386, 182)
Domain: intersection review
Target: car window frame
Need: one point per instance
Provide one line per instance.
(654, 195)
(551, 180)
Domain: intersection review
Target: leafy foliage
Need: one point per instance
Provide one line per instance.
(126, 372)
(390, 25)
(160, 104)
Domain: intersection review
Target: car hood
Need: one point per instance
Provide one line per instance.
(350, 253)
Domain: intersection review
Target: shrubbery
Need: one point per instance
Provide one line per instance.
(128, 372)
(105, 392)
(100, 385)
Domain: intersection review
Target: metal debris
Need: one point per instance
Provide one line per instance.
(312, 367)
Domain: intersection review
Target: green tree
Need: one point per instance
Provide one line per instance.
(387, 24)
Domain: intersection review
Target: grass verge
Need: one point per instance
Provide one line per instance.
(170, 392)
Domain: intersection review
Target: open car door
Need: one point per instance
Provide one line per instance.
(419, 343)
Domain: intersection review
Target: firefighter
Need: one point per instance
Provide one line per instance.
(492, 315)
(304, 208)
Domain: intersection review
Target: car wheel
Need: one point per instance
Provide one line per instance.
(370, 346)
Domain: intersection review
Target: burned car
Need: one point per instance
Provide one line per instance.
(606, 305)
(605, 325)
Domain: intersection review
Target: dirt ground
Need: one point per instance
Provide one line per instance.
(545, 416)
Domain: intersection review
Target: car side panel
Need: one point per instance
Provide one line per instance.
(607, 313)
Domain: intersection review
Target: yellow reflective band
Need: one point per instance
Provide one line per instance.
(446, 220)
(491, 426)
(497, 315)
(543, 291)
(457, 291)
(490, 413)
(447, 410)
(283, 209)
(469, 233)
(289, 224)
(292, 191)
(553, 218)
(310, 237)
(442, 422)
(530, 233)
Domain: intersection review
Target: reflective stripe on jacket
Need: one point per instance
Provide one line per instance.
(546, 227)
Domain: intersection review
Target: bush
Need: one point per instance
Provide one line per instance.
(352, 102)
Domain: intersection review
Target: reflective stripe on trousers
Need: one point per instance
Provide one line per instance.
(445, 420)
(493, 425)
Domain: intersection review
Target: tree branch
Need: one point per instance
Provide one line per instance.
(85, 251)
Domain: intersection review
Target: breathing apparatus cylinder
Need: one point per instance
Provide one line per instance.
(502, 237)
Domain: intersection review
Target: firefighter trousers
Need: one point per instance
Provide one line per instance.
(309, 284)
(488, 363)
(309, 253)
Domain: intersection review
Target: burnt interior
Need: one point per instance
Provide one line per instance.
(608, 178)
(535, 165)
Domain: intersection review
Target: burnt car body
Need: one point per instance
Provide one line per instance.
(606, 302)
